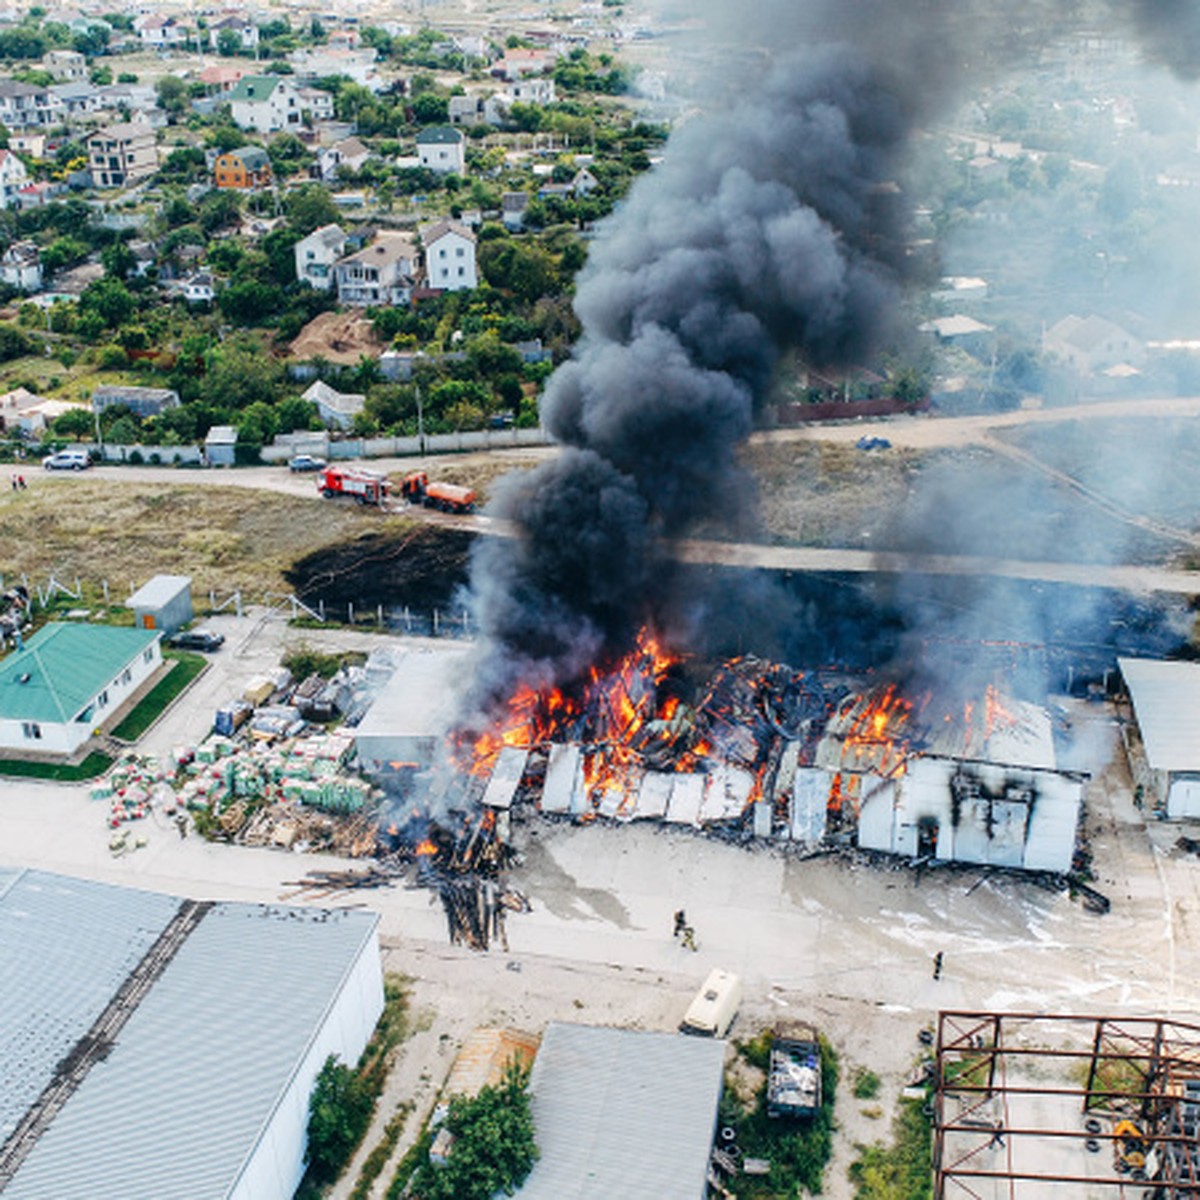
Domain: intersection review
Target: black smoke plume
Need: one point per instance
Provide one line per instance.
(766, 228)
(769, 227)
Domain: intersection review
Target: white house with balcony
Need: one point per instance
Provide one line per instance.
(381, 273)
(266, 104)
(449, 256)
(442, 148)
(13, 177)
(317, 254)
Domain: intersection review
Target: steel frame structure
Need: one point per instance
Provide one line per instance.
(991, 1066)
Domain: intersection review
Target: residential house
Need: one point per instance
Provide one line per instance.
(265, 104)
(22, 105)
(1092, 343)
(321, 62)
(34, 195)
(584, 183)
(316, 102)
(449, 256)
(512, 210)
(518, 63)
(349, 153)
(465, 110)
(198, 288)
(959, 330)
(537, 89)
(441, 148)
(67, 680)
(242, 26)
(336, 409)
(381, 273)
(245, 167)
(33, 144)
(76, 99)
(221, 78)
(13, 404)
(65, 65)
(317, 254)
(13, 177)
(122, 154)
(37, 418)
(21, 266)
(157, 31)
(144, 255)
(141, 401)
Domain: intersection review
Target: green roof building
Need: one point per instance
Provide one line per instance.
(67, 680)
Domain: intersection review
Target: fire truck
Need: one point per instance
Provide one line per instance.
(366, 487)
(447, 497)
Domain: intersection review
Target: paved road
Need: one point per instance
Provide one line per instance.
(907, 432)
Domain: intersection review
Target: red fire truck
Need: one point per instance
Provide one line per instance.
(366, 487)
(448, 497)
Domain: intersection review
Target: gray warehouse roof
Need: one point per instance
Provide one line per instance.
(620, 1113)
(422, 697)
(178, 1105)
(1166, 701)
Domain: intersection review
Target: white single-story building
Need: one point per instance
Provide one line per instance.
(334, 408)
(195, 1030)
(1163, 751)
(68, 679)
(165, 603)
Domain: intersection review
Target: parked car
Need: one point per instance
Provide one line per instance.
(67, 460)
(196, 639)
(306, 462)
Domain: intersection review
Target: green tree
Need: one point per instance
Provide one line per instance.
(76, 423)
(338, 1113)
(109, 299)
(124, 431)
(257, 424)
(249, 302)
(118, 260)
(172, 94)
(430, 109)
(309, 207)
(494, 1145)
(296, 413)
(229, 43)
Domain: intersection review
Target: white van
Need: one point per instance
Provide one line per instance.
(711, 1013)
(67, 460)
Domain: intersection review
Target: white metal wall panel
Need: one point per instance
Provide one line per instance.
(1183, 800)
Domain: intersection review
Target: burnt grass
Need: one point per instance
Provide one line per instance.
(422, 568)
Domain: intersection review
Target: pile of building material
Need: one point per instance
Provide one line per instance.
(133, 787)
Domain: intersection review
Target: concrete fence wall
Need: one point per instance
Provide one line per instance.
(400, 447)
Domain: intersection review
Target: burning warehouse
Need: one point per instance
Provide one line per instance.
(760, 750)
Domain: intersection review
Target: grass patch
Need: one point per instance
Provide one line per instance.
(95, 764)
(342, 1105)
(903, 1170)
(865, 1084)
(798, 1150)
(378, 1157)
(304, 661)
(185, 668)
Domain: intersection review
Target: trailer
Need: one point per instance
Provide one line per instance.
(366, 487)
(794, 1073)
(446, 497)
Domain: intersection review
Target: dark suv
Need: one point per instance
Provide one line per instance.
(196, 639)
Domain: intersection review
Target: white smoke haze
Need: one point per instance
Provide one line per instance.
(767, 230)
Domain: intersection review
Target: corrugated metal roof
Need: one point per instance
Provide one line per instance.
(1166, 701)
(66, 946)
(621, 1113)
(66, 667)
(160, 590)
(178, 1107)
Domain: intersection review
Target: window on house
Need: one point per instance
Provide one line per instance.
(102, 699)
(461, 272)
(31, 729)
(127, 675)
(148, 654)
(442, 253)
(459, 252)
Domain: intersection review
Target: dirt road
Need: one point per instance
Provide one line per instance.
(911, 432)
